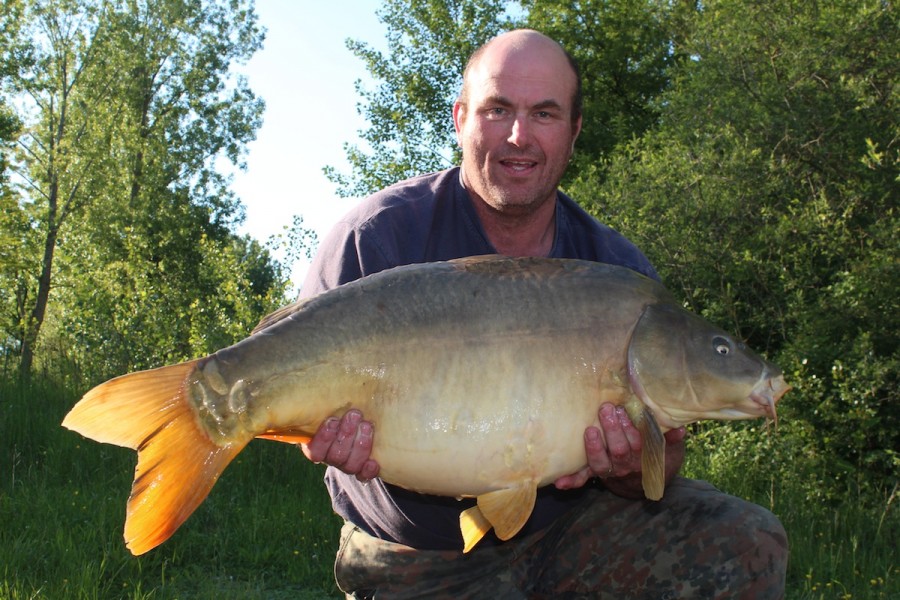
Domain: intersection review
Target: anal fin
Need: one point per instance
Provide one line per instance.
(473, 526)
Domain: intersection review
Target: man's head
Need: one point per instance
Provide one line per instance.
(517, 118)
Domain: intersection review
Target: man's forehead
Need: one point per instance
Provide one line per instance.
(531, 89)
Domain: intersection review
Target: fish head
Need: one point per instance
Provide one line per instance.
(686, 369)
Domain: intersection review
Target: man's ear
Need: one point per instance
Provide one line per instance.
(459, 115)
(576, 129)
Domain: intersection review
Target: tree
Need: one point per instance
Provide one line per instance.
(13, 225)
(130, 106)
(10, 63)
(51, 171)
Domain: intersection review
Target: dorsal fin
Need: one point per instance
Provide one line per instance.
(278, 315)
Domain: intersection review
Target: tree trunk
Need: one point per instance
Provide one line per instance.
(33, 326)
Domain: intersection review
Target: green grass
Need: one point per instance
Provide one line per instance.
(842, 543)
(267, 530)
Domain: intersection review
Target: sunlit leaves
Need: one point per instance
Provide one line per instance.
(126, 108)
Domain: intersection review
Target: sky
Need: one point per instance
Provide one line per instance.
(306, 75)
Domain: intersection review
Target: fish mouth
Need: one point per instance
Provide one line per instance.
(767, 392)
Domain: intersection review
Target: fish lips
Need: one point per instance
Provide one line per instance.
(770, 388)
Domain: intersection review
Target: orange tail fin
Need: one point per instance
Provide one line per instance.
(177, 461)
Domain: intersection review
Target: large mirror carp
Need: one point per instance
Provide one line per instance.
(480, 376)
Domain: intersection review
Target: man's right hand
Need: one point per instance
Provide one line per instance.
(345, 444)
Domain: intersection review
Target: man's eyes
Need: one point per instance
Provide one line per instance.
(498, 112)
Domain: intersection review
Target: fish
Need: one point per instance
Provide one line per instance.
(479, 375)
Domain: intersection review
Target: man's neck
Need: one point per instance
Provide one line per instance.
(530, 234)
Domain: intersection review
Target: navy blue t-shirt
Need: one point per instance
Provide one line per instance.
(426, 219)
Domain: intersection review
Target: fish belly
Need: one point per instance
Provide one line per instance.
(464, 418)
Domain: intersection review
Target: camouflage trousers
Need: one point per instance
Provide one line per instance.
(694, 543)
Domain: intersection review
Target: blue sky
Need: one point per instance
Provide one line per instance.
(306, 76)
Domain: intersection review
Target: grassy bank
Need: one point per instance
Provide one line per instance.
(842, 539)
(267, 530)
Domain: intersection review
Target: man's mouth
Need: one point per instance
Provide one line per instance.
(519, 166)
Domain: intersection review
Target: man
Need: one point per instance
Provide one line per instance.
(592, 534)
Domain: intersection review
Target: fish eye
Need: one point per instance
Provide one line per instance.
(721, 345)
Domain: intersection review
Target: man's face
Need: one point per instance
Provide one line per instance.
(515, 126)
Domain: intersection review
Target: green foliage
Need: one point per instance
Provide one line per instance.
(623, 49)
(767, 196)
(122, 213)
(163, 301)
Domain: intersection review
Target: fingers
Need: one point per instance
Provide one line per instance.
(612, 450)
(575, 480)
(346, 444)
(675, 436)
(599, 461)
(621, 453)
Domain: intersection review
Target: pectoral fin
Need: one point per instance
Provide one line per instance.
(653, 453)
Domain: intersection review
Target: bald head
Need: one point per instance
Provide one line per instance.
(502, 53)
(517, 119)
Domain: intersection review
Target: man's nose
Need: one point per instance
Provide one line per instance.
(519, 131)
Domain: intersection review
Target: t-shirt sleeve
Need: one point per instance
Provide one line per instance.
(345, 255)
(424, 219)
(336, 262)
